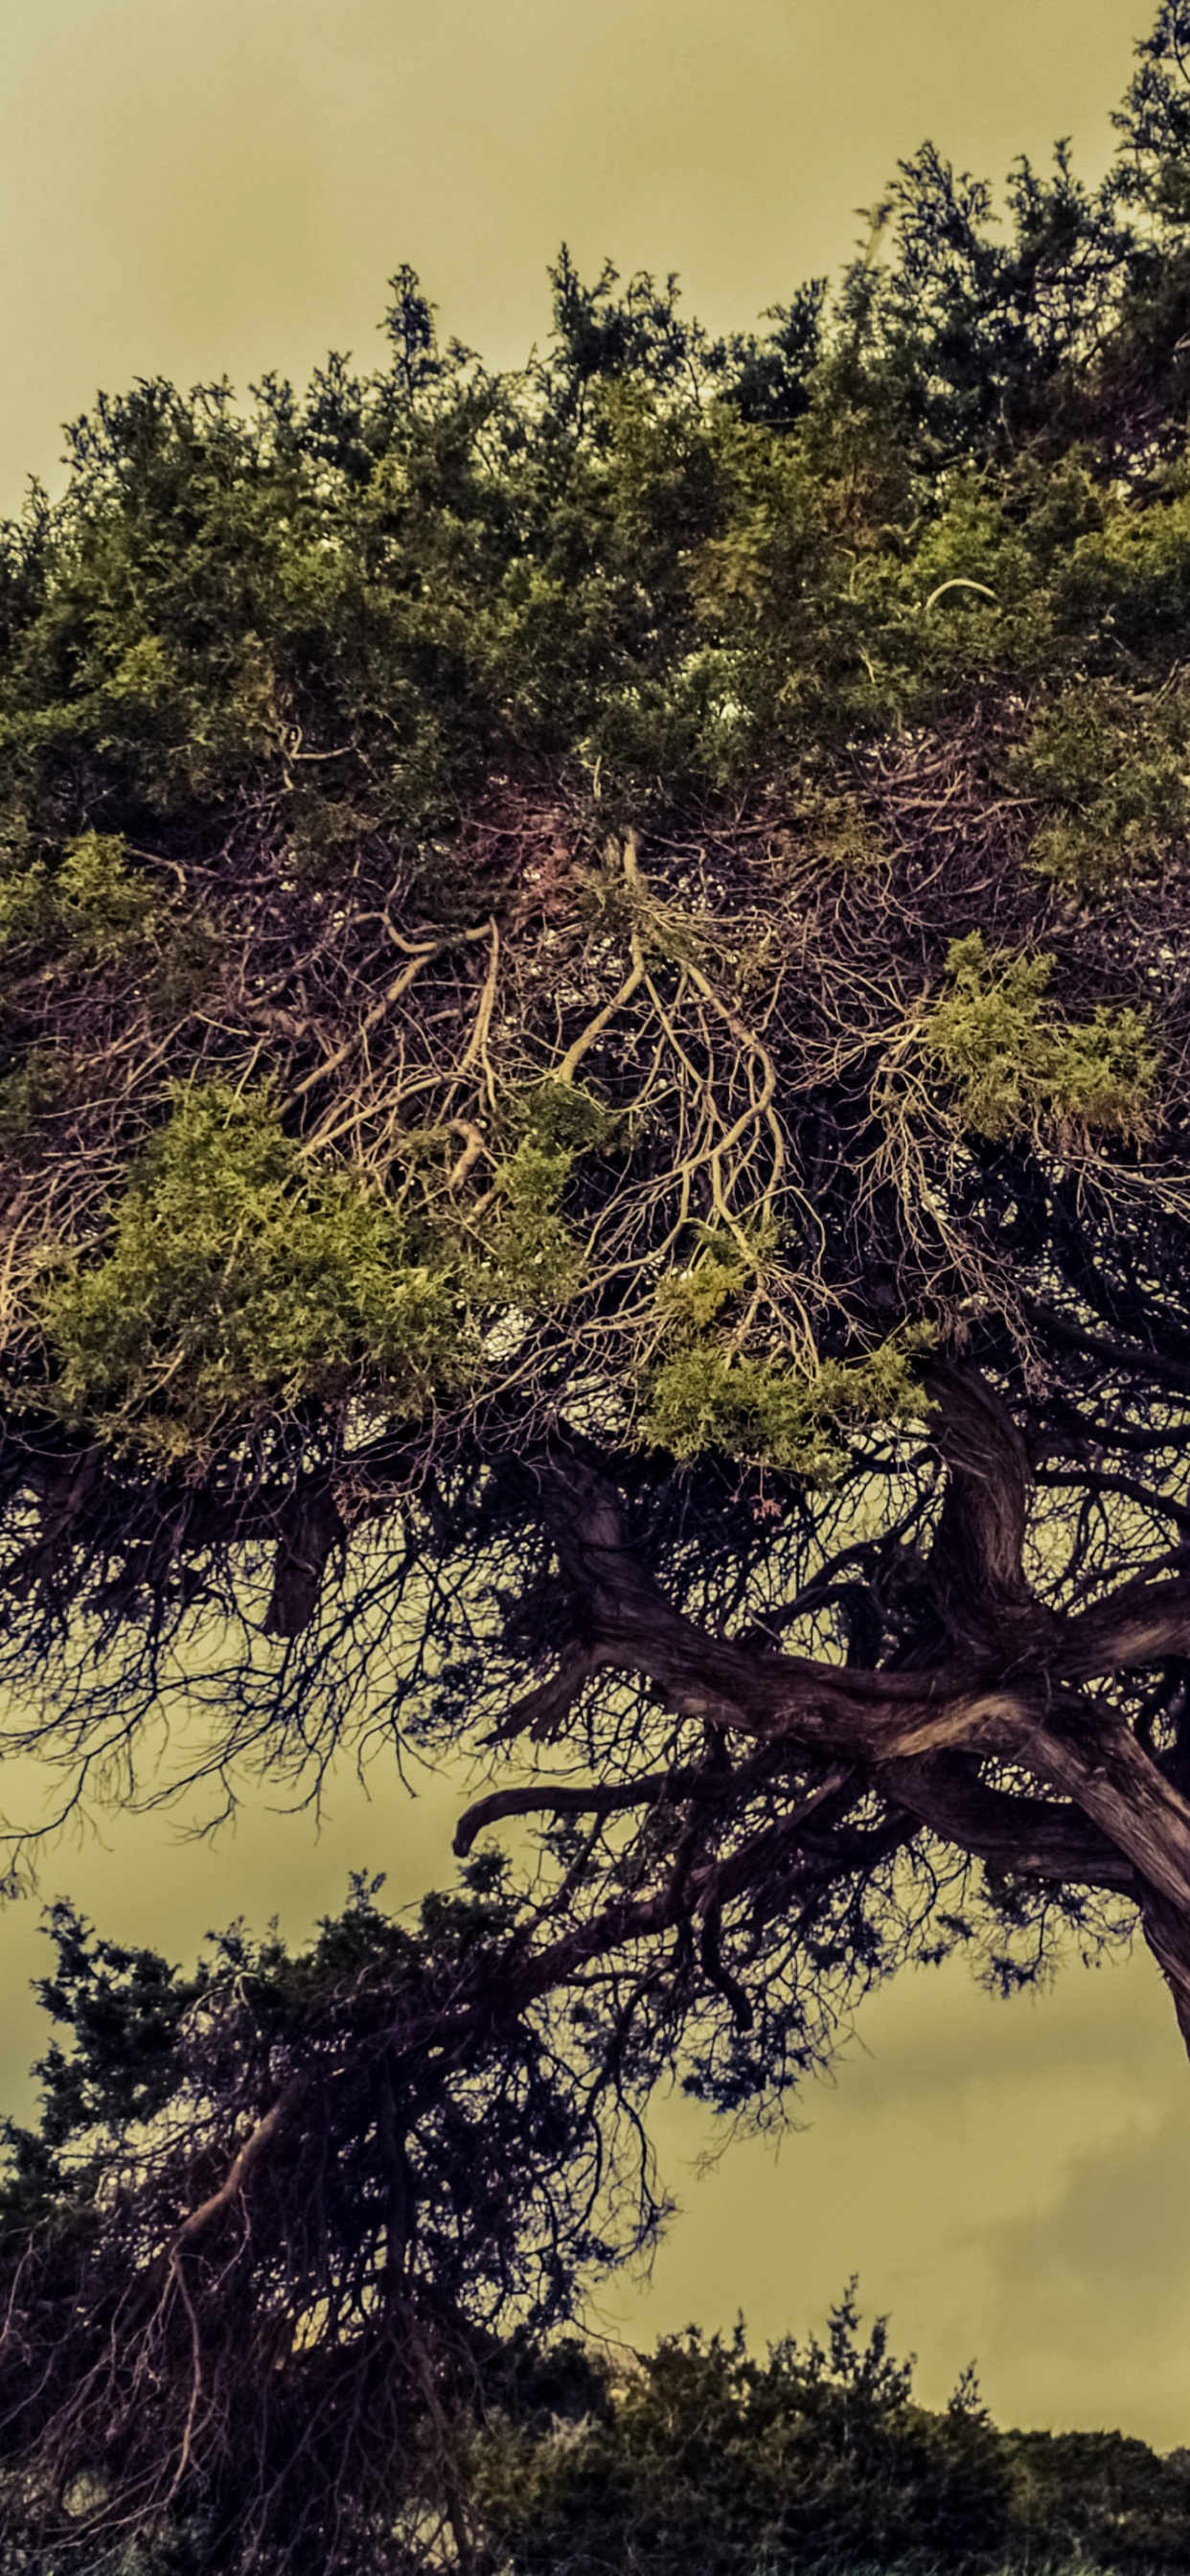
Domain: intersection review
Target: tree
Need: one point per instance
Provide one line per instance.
(595, 1131)
(265, 2362)
(702, 2457)
(699, 2456)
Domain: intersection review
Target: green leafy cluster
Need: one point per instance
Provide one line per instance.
(652, 566)
(696, 2458)
(1116, 772)
(88, 910)
(664, 558)
(842, 834)
(34, 1087)
(1014, 1062)
(242, 1277)
(663, 561)
(702, 2458)
(532, 1256)
(706, 1394)
(768, 1413)
(562, 1117)
(690, 1299)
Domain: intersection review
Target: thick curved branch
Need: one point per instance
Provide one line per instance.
(1142, 1623)
(544, 1710)
(198, 2221)
(559, 1798)
(1095, 1760)
(1109, 1351)
(976, 1561)
(1025, 1835)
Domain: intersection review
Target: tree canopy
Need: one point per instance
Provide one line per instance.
(594, 1012)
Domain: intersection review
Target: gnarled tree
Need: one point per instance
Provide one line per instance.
(596, 1145)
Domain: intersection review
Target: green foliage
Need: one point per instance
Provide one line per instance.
(128, 2016)
(841, 833)
(122, 2009)
(691, 1299)
(1014, 1062)
(706, 1393)
(696, 2459)
(533, 1258)
(313, 720)
(972, 332)
(101, 905)
(319, 832)
(561, 1117)
(1102, 2498)
(411, 2212)
(1116, 770)
(26, 908)
(241, 1278)
(30, 1091)
(665, 561)
(90, 909)
(1132, 576)
(541, 2454)
(707, 1396)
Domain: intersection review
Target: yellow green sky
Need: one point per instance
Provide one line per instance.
(209, 187)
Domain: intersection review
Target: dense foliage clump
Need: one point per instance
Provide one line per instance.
(1012, 1064)
(316, 717)
(239, 1279)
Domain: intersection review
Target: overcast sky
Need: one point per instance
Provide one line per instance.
(210, 187)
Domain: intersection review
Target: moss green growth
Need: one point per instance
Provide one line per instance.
(1115, 771)
(1132, 575)
(841, 833)
(1015, 1063)
(705, 1396)
(532, 1257)
(319, 831)
(102, 904)
(241, 1278)
(26, 904)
